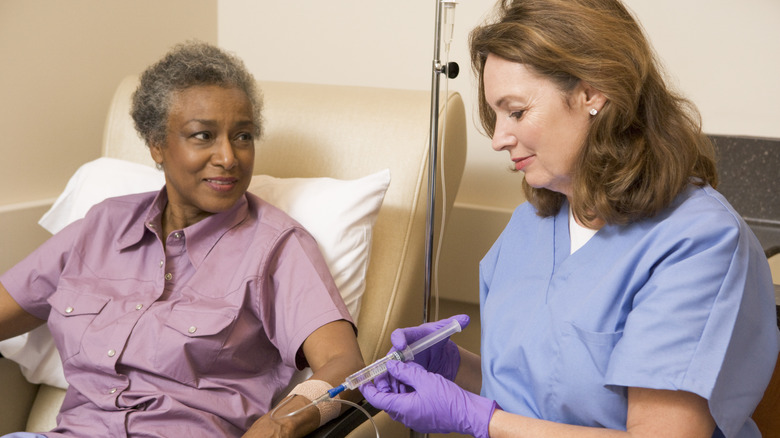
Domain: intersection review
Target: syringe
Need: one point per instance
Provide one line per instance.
(380, 366)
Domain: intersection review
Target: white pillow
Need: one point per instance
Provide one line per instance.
(340, 214)
(95, 181)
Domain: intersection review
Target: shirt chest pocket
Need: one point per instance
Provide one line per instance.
(579, 371)
(190, 342)
(72, 313)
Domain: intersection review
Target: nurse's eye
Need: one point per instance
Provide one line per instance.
(517, 115)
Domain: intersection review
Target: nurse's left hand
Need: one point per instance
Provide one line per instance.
(436, 405)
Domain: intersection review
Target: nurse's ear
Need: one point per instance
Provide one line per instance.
(591, 99)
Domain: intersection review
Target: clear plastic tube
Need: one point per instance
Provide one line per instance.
(448, 26)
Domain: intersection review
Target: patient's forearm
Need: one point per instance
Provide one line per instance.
(275, 424)
(13, 319)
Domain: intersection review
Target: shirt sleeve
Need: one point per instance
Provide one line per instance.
(700, 314)
(35, 278)
(303, 296)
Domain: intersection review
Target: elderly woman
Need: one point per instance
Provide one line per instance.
(626, 297)
(185, 312)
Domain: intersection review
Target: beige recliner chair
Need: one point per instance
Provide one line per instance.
(321, 131)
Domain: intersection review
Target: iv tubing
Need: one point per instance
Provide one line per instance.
(328, 399)
(438, 68)
(432, 157)
(448, 32)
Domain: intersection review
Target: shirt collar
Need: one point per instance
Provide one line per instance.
(200, 237)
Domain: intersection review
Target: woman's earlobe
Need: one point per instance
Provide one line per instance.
(156, 152)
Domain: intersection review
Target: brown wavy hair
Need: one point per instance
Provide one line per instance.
(646, 143)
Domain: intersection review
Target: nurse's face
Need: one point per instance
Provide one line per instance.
(208, 154)
(542, 129)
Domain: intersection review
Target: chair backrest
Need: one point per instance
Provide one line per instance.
(348, 132)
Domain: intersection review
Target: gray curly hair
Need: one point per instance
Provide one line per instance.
(188, 64)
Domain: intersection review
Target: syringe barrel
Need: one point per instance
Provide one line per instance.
(430, 340)
(371, 371)
(407, 354)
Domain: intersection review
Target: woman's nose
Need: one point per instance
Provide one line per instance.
(223, 155)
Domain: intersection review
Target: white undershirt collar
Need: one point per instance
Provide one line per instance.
(578, 234)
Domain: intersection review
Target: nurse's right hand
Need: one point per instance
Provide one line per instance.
(442, 358)
(431, 404)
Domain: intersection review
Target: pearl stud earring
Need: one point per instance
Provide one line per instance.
(593, 111)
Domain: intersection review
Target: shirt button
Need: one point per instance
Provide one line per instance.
(162, 262)
(168, 276)
(69, 309)
(177, 235)
(112, 390)
(150, 225)
(111, 353)
(139, 307)
(192, 329)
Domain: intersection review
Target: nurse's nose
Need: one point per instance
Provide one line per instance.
(502, 139)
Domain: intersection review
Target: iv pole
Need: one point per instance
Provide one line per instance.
(451, 70)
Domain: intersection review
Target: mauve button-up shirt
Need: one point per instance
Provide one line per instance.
(192, 340)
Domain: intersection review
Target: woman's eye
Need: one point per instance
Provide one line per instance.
(202, 136)
(245, 136)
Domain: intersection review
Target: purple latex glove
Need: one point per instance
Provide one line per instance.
(436, 405)
(442, 358)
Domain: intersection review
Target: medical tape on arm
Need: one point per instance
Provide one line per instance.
(312, 390)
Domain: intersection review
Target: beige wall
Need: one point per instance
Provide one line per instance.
(61, 61)
(721, 54)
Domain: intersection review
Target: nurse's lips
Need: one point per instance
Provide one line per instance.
(522, 162)
(221, 184)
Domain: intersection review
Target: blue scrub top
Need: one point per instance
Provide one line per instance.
(680, 301)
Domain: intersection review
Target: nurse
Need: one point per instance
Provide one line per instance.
(626, 297)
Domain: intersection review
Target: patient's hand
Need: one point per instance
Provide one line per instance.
(286, 427)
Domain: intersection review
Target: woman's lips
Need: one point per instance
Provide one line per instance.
(221, 184)
(521, 163)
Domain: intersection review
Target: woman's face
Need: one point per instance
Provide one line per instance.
(209, 152)
(534, 123)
